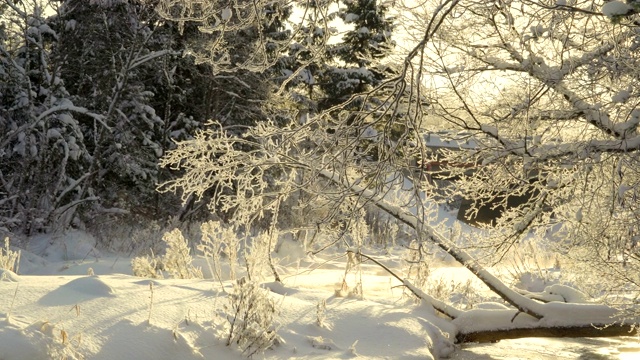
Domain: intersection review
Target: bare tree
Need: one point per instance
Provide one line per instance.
(344, 158)
(548, 92)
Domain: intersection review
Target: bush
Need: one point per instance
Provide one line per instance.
(250, 313)
(8, 258)
(217, 241)
(148, 267)
(177, 261)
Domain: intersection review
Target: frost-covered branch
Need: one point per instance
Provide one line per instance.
(441, 306)
(425, 231)
(544, 91)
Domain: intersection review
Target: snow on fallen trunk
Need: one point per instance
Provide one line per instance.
(560, 320)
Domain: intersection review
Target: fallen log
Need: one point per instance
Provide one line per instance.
(494, 335)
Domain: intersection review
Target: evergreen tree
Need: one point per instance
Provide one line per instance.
(107, 62)
(322, 73)
(304, 65)
(360, 53)
(43, 161)
(107, 81)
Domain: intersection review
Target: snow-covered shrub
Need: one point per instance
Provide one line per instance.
(250, 314)
(145, 266)
(463, 294)
(8, 258)
(353, 262)
(258, 258)
(321, 314)
(217, 241)
(359, 229)
(147, 237)
(177, 260)
(529, 258)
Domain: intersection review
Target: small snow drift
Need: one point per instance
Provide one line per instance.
(74, 245)
(8, 275)
(30, 342)
(127, 340)
(81, 289)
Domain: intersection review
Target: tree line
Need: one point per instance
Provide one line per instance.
(93, 93)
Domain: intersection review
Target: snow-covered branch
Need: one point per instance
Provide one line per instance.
(70, 107)
(439, 305)
(150, 56)
(8, 138)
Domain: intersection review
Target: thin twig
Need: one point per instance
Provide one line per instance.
(437, 304)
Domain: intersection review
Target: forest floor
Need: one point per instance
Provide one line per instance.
(56, 309)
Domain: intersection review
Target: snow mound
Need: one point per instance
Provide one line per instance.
(566, 293)
(533, 282)
(17, 343)
(279, 288)
(30, 262)
(78, 290)
(558, 293)
(318, 342)
(146, 282)
(9, 276)
(91, 285)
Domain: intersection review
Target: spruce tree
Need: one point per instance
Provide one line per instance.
(324, 73)
(43, 160)
(108, 66)
(358, 57)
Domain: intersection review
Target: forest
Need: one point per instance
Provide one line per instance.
(215, 139)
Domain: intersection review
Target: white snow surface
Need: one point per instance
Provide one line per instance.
(55, 308)
(72, 301)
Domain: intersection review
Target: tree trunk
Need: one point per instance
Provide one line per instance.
(426, 232)
(602, 330)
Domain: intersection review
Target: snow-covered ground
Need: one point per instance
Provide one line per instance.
(72, 301)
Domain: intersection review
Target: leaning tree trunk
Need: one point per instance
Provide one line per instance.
(523, 304)
(542, 320)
